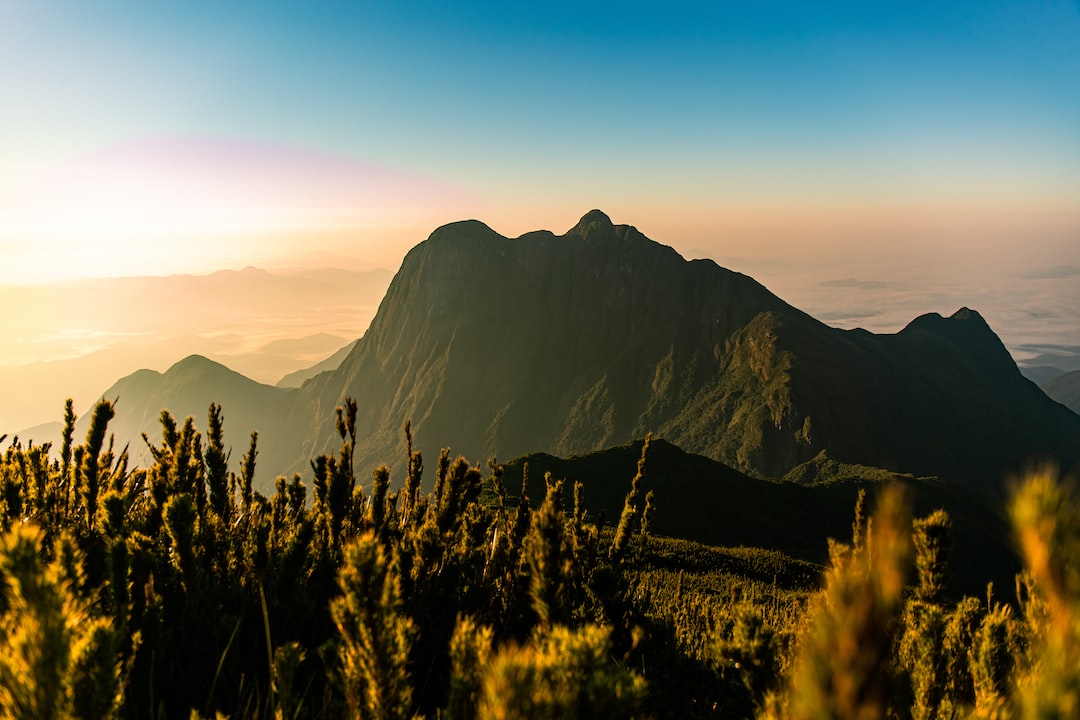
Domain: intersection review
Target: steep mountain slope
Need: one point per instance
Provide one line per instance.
(187, 389)
(563, 343)
(941, 397)
(572, 343)
(1065, 389)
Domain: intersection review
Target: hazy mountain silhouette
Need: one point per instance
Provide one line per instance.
(91, 332)
(187, 389)
(299, 377)
(1040, 374)
(1065, 389)
(1063, 358)
(576, 342)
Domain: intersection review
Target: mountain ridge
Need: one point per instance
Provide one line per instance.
(572, 343)
(575, 287)
(697, 498)
(187, 388)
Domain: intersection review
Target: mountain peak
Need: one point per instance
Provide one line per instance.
(965, 323)
(966, 313)
(193, 361)
(199, 366)
(462, 229)
(591, 219)
(969, 331)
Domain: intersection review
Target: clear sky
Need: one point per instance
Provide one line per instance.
(156, 137)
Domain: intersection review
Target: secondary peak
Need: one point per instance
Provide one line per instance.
(589, 219)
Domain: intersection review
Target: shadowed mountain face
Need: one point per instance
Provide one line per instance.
(562, 343)
(572, 343)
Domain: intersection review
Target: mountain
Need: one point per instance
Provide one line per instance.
(50, 432)
(299, 377)
(1045, 361)
(1040, 374)
(562, 343)
(700, 499)
(1065, 389)
(571, 343)
(187, 389)
(1064, 358)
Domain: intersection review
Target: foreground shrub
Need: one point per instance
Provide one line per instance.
(561, 673)
(179, 590)
(56, 660)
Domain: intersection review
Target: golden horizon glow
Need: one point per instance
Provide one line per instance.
(164, 206)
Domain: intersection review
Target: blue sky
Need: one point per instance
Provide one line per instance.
(762, 127)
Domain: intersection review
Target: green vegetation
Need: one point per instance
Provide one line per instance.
(180, 591)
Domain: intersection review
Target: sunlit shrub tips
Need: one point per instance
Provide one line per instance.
(179, 590)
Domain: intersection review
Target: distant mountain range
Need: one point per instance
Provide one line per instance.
(265, 325)
(299, 377)
(1065, 388)
(1045, 361)
(572, 343)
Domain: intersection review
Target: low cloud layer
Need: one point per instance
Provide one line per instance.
(856, 283)
(1055, 273)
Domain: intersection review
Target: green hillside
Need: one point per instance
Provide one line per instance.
(699, 499)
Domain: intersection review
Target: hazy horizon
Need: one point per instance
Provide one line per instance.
(867, 163)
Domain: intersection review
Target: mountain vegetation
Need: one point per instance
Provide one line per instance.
(179, 590)
(704, 501)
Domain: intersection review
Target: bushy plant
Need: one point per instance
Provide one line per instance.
(56, 659)
(179, 590)
(560, 674)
